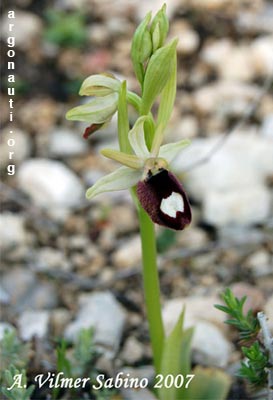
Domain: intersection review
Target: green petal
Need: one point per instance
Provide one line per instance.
(137, 139)
(129, 160)
(97, 111)
(99, 85)
(171, 150)
(120, 179)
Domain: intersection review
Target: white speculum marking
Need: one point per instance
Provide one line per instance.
(172, 204)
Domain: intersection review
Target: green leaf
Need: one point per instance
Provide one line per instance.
(63, 364)
(97, 111)
(158, 71)
(209, 384)
(175, 357)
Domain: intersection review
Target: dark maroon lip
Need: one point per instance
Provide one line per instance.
(160, 186)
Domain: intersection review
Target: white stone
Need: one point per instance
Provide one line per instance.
(66, 143)
(33, 324)
(185, 127)
(209, 4)
(144, 6)
(50, 183)
(172, 204)
(267, 126)
(231, 61)
(225, 98)
(197, 307)
(128, 254)
(210, 347)
(4, 296)
(102, 312)
(49, 258)
(12, 231)
(242, 207)
(18, 282)
(262, 55)
(260, 263)
(256, 21)
(243, 163)
(132, 350)
(188, 39)
(24, 21)
(214, 51)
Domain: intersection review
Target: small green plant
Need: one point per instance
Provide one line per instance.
(65, 29)
(256, 368)
(83, 354)
(79, 362)
(13, 351)
(247, 324)
(14, 357)
(20, 391)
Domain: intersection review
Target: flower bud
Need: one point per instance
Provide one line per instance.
(164, 199)
(157, 74)
(159, 28)
(141, 47)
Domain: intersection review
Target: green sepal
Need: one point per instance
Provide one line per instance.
(97, 111)
(99, 85)
(141, 47)
(120, 179)
(158, 71)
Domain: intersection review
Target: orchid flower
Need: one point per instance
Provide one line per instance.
(159, 192)
(100, 109)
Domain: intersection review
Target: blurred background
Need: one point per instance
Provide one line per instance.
(69, 264)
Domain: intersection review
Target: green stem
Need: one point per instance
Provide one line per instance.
(123, 121)
(147, 233)
(151, 286)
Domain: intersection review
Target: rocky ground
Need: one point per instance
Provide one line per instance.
(68, 263)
